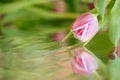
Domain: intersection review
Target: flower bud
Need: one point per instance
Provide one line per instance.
(57, 36)
(83, 63)
(90, 6)
(84, 27)
(59, 6)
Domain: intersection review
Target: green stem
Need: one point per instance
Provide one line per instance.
(98, 76)
(68, 35)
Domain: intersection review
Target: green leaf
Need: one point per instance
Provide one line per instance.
(114, 29)
(101, 45)
(100, 7)
(114, 69)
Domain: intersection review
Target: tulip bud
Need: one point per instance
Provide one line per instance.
(83, 63)
(57, 36)
(90, 6)
(59, 6)
(84, 27)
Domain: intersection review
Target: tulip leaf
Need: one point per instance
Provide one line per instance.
(113, 68)
(100, 7)
(114, 29)
(101, 45)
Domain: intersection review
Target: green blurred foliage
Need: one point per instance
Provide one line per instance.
(114, 30)
(100, 7)
(26, 27)
(26, 44)
(113, 68)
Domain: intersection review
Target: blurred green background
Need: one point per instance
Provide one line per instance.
(31, 31)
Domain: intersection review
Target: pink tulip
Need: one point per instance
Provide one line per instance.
(84, 27)
(57, 36)
(90, 6)
(59, 6)
(83, 63)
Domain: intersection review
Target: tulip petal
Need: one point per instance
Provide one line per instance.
(84, 63)
(76, 66)
(81, 20)
(84, 32)
(91, 30)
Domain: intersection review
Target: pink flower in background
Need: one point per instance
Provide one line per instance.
(83, 63)
(118, 51)
(57, 36)
(84, 27)
(90, 6)
(59, 6)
